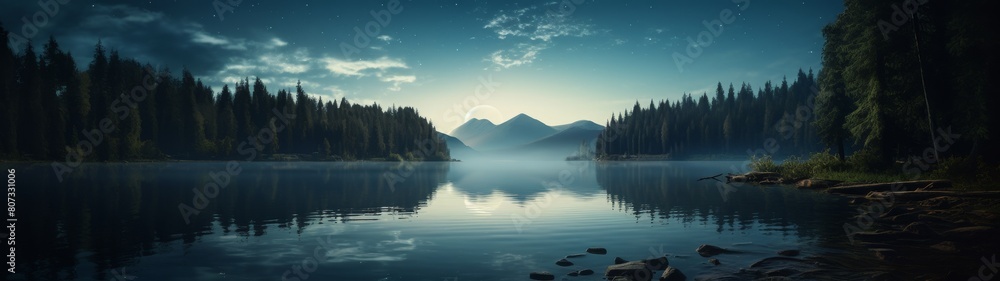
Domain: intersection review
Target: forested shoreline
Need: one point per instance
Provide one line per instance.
(729, 123)
(118, 109)
(897, 86)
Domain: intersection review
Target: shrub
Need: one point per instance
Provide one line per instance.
(395, 157)
(865, 161)
(764, 164)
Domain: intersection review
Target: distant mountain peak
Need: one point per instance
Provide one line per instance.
(523, 118)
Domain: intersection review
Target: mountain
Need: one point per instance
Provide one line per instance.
(471, 132)
(555, 147)
(585, 124)
(457, 148)
(520, 130)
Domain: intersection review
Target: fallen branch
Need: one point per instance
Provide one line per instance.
(862, 189)
(715, 177)
(921, 195)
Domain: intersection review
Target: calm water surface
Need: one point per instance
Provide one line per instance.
(386, 221)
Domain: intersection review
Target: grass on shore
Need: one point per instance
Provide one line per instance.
(965, 173)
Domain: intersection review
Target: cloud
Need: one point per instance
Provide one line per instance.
(523, 54)
(536, 30)
(535, 24)
(398, 80)
(362, 68)
(276, 42)
(281, 63)
(119, 16)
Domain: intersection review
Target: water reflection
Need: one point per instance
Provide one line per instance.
(668, 190)
(494, 221)
(114, 213)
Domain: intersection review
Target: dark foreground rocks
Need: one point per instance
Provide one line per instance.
(542, 276)
(706, 250)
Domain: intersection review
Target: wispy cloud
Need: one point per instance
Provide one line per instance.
(119, 16)
(398, 80)
(535, 28)
(523, 54)
(362, 68)
(276, 42)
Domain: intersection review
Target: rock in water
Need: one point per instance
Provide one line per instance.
(706, 250)
(597, 251)
(619, 260)
(672, 274)
(544, 275)
(573, 273)
(575, 256)
(564, 262)
(714, 261)
(789, 253)
(586, 272)
(660, 263)
(635, 270)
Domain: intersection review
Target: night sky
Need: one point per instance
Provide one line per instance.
(556, 62)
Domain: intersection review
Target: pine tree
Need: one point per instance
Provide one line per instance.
(32, 136)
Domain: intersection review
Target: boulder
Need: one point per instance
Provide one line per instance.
(575, 256)
(660, 263)
(619, 260)
(706, 250)
(672, 274)
(597, 251)
(586, 272)
(541, 276)
(636, 270)
(564, 262)
(714, 261)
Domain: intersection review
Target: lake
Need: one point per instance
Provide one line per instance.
(391, 221)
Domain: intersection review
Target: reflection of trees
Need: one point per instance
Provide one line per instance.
(672, 191)
(114, 213)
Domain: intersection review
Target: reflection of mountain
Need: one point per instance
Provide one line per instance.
(140, 203)
(666, 190)
(522, 180)
(524, 138)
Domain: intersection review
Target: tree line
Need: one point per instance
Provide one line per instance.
(902, 82)
(731, 122)
(51, 110)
